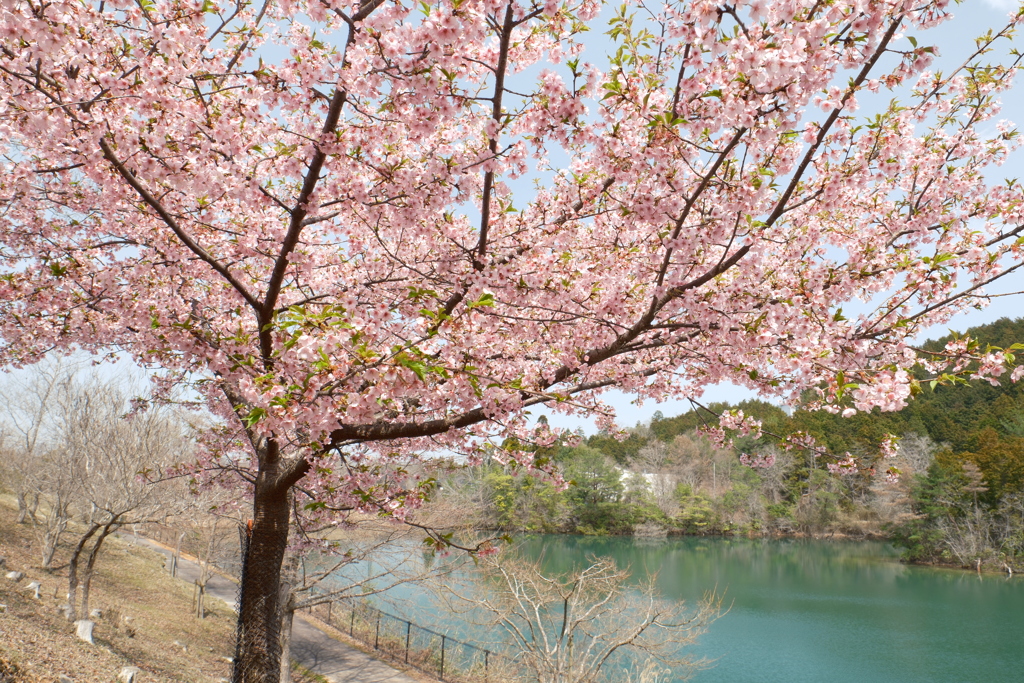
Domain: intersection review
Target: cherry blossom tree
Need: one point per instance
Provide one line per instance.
(365, 229)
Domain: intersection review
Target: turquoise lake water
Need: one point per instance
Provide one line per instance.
(814, 611)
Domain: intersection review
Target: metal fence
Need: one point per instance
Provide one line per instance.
(433, 653)
(237, 674)
(257, 638)
(436, 654)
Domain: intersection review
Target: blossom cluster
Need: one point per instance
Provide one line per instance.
(846, 466)
(316, 213)
(758, 461)
(889, 447)
(744, 425)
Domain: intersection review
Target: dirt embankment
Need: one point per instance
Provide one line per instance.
(146, 618)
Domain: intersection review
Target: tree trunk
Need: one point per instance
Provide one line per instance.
(73, 578)
(204, 571)
(83, 628)
(87, 578)
(200, 599)
(51, 539)
(33, 507)
(22, 508)
(259, 619)
(86, 583)
(49, 549)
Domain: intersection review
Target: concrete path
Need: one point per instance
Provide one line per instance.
(313, 648)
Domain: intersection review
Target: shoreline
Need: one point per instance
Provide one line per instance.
(843, 536)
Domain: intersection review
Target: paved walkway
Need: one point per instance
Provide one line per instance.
(313, 648)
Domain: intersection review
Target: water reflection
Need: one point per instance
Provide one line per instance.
(817, 611)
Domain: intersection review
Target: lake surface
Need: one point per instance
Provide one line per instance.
(816, 611)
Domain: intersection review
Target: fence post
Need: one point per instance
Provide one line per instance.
(427, 659)
(443, 638)
(408, 633)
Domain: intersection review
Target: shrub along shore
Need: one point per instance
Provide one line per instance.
(958, 500)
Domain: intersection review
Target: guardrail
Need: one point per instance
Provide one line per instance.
(437, 654)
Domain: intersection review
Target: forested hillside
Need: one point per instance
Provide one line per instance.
(959, 499)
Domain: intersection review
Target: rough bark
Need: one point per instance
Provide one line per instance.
(22, 509)
(32, 507)
(87, 578)
(73, 577)
(83, 579)
(200, 599)
(51, 539)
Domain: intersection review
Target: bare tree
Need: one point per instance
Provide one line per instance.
(774, 484)
(27, 413)
(213, 536)
(371, 557)
(115, 454)
(655, 462)
(916, 453)
(1009, 530)
(696, 461)
(205, 524)
(466, 494)
(891, 501)
(570, 628)
(58, 477)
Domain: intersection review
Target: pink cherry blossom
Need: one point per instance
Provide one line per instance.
(365, 231)
(744, 425)
(845, 467)
(890, 447)
(758, 461)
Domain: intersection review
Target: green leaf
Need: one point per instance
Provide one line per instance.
(254, 416)
(486, 300)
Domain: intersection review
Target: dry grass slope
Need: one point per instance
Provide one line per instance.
(147, 619)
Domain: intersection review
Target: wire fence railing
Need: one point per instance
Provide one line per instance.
(437, 654)
(403, 641)
(237, 673)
